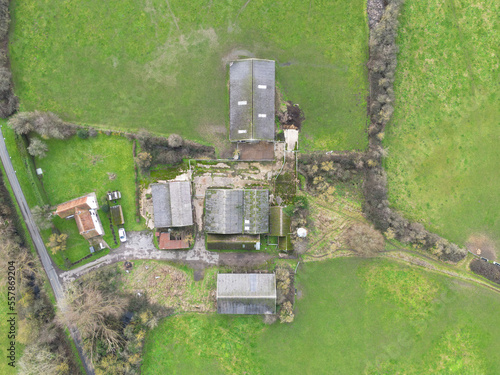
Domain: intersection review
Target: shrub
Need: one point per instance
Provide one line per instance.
(174, 141)
(37, 148)
(83, 133)
(486, 269)
(105, 208)
(364, 239)
(143, 160)
(286, 313)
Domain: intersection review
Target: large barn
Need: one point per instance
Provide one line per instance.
(237, 211)
(246, 293)
(251, 100)
(172, 204)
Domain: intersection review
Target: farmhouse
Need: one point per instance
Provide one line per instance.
(237, 211)
(247, 293)
(251, 100)
(84, 210)
(172, 204)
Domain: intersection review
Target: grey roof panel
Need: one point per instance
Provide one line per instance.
(263, 99)
(180, 203)
(251, 81)
(223, 211)
(161, 205)
(246, 293)
(172, 204)
(256, 211)
(240, 91)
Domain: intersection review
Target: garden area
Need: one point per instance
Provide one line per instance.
(72, 168)
(443, 138)
(353, 315)
(143, 64)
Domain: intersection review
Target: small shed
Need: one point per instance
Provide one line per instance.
(233, 242)
(246, 293)
(280, 222)
(114, 195)
(117, 215)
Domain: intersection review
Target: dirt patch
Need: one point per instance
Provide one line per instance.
(198, 274)
(256, 151)
(292, 117)
(236, 54)
(480, 244)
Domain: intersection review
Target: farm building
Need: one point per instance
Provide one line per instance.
(165, 242)
(280, 222)
(117, 215)
(84, 210)
(233, 242)
(172, 204)
(236, 211)
(251, 100)
(247, 293)
(280, 227)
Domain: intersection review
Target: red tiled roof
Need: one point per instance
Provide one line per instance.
(68, 208)
(167, 244)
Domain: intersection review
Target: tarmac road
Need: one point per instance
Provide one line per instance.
(38, 242)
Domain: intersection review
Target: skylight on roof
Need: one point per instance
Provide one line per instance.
(262, 86)
(242, 102)
(262, 115)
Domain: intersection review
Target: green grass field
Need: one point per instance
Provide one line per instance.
(160, 64)
(72, 168)
(443, 140)
(355, 316)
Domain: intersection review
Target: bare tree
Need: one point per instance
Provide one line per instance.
(38, 359)
(143, 160)
(57, 242)
(37, 148)
(175, 140)
(364, 239)
(42, 216)
(91, 310)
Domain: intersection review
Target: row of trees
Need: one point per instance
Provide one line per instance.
(172, 150)
(9, 103)
(47, 350)
(382, 67)
(486, 269)
(46, 124)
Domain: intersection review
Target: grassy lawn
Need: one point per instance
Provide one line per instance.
(72, 168)
(355, 316)
(443, 140)
(159, 65)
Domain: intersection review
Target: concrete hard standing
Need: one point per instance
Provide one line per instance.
(38, 242)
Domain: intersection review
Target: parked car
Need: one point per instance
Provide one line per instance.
(496, 264)
(484, 259)
(122, 234)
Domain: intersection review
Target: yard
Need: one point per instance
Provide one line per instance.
(443, 139)
(353, 316)
(75, 167)
(162, 65)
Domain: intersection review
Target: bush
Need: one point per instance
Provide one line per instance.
(83, 133)
(46, 124)
(364, 239)
(143, 160)
(286, 313)
(37, 148)
(486, 269)
(105, 208)
(174, 141)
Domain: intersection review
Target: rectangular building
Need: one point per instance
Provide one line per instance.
(251, 100)
(237, 211)
(172, 204)
(246, 293)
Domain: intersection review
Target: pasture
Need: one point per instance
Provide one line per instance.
(354, 316)
(443, 139)
(161, 65)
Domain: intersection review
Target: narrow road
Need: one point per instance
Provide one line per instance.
(38, 242)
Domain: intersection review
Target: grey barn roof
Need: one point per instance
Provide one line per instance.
(172, 204)
(247, 293)
(231, 211)
(251, 100)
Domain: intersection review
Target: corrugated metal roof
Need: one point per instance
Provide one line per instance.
(233, 211)
(172, 204)
(251, 81)
(256, 211)
(246, 293)
(280, 222)
(223, 211)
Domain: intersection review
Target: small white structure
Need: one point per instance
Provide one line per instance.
(302, 232)
(39, 171)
